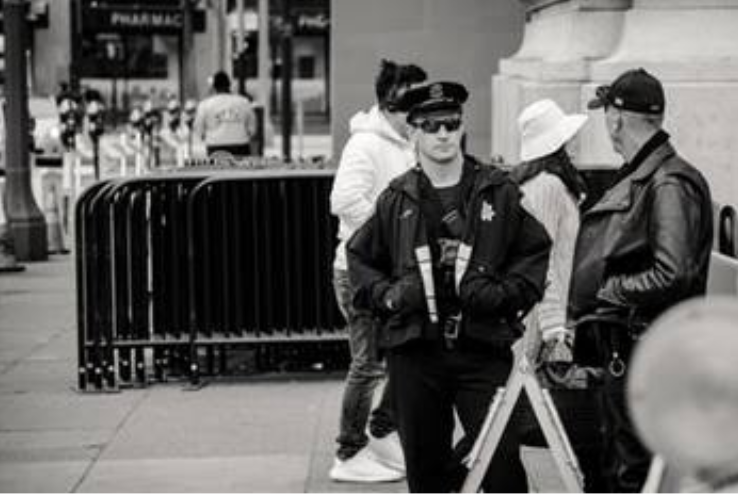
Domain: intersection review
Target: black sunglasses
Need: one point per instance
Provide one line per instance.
(432, 126)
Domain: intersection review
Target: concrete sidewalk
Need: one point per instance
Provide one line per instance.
(266, 434)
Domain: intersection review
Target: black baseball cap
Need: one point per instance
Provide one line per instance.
(432, 98)
(636, 90)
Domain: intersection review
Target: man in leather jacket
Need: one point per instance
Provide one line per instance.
(449, 262)
(643, 247)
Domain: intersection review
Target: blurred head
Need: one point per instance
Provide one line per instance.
(391, 83)
(434, 111)
(221, 82)
(634, 108)
(683, 388)
(545, 128)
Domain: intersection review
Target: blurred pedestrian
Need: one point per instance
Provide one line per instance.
(224, 121)
(377, 151)
(643, 247)
(450, 261)
(683, 393)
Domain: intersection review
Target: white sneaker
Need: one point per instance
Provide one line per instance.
(364, 468)
(388, 451)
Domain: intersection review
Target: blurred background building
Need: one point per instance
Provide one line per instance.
(130, 50)
(508, 52)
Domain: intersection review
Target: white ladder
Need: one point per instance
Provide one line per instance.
(521, 379)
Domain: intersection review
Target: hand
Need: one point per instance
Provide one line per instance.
(559, 334)
(558, 348)
(404, 296)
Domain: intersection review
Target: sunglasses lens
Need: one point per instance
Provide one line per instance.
(430, 126)
(433, 126)
(452, 125)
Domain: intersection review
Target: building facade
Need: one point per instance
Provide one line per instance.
(130, 50)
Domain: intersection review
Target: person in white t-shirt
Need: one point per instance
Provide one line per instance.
(224, 121)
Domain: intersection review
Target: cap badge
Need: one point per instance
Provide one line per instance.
(436, 91)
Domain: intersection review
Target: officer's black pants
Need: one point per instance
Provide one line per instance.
(428, 383)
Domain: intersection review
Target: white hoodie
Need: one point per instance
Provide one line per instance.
(374, 155)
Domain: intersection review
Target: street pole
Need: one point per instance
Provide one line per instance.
(188, 77)
(25, 218)
(74, 45)
(287, 32)
(240, 47)
(264, 77)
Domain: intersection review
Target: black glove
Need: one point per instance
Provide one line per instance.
(404, 296)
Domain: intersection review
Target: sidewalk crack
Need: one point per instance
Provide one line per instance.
(105, 446)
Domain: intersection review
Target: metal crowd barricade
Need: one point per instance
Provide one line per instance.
(131, 285)
(176, 270)
(261, 250)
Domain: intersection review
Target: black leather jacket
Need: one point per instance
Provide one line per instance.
(503, 278)
(645, 246)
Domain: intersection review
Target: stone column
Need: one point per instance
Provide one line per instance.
(692, 47)
(562, 38)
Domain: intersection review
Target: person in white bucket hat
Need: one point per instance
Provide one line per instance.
(545, 128)
(553, 191)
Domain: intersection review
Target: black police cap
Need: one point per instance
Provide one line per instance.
(433, 97)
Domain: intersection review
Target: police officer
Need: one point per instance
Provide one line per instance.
(643, 247)
(450, 261)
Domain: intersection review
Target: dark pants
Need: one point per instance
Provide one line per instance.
(365, 373)
(428, 384)
(625, 460)
(580, 416)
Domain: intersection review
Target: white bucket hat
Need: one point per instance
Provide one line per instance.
(544, 128)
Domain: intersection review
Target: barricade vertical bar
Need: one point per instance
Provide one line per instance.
(208, 285)
(224, 320)
(237, 296)
(156, 194)
(266, 271)
(317, 289)
(299, 263)
(284, 260)
(253, 279)
(121, 298)
(96, 285)
(84, 266)
(109, 355)
(139, 284)
(195, 234)
(81, 274)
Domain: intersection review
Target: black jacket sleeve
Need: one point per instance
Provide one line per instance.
(673, 225)
(369, 263)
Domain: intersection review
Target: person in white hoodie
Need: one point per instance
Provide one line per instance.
(377, 152)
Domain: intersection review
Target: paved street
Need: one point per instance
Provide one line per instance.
(264, 434)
